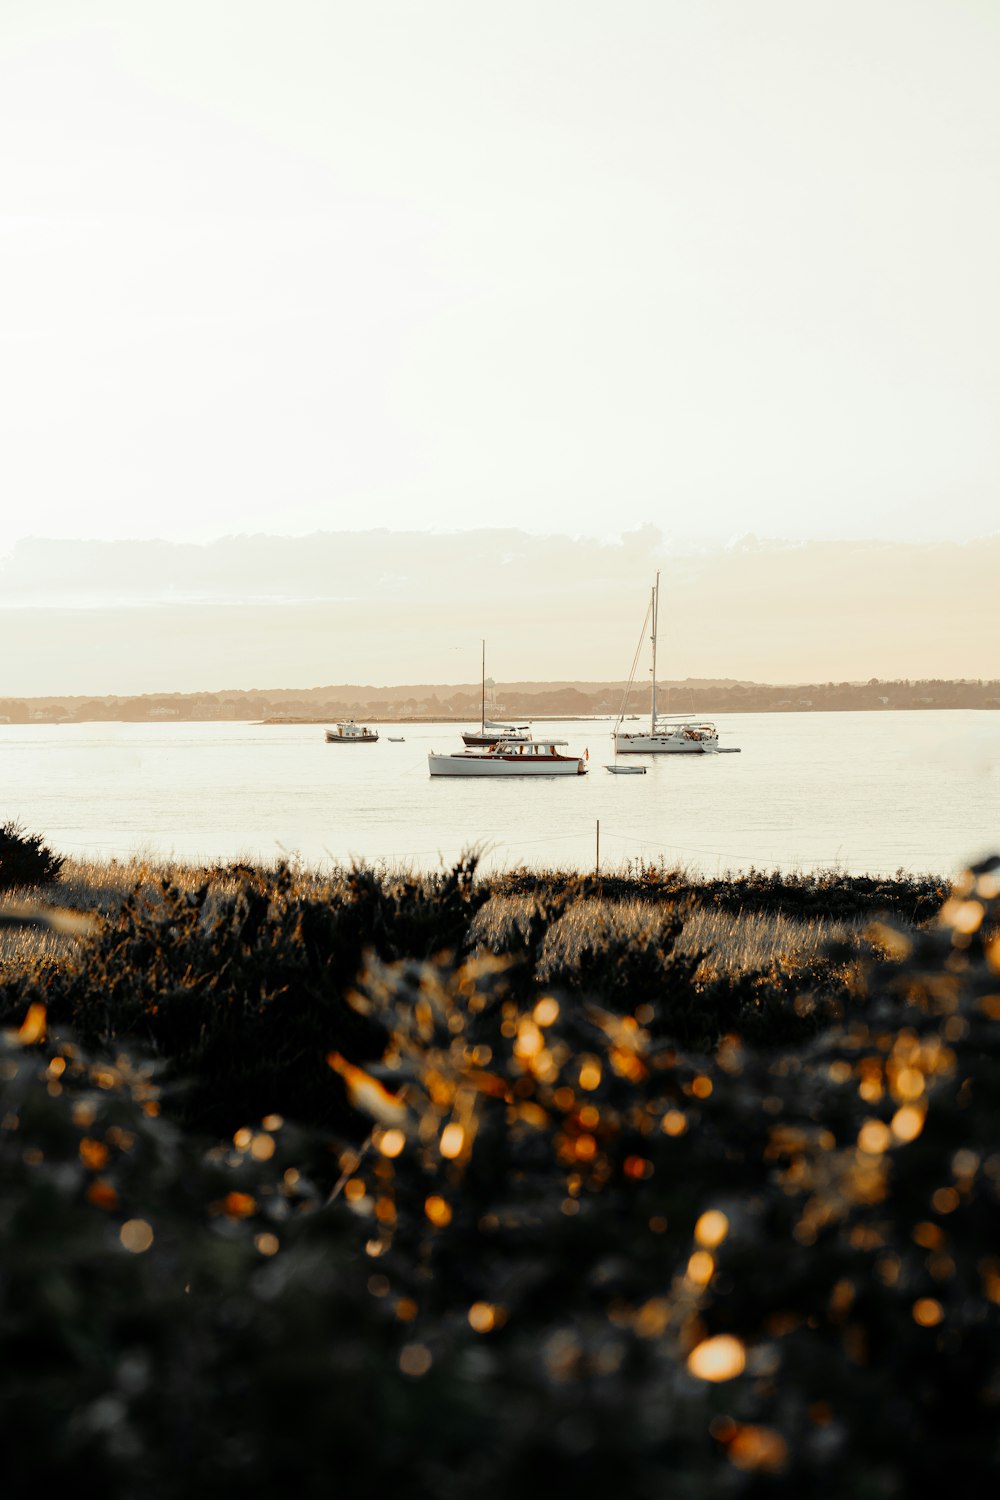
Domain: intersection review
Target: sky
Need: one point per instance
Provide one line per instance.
(568, 266)
(387, 608)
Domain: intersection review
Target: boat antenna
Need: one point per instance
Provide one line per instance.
(482, 717)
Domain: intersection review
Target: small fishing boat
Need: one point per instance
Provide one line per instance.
(510, 758)
(349, 733)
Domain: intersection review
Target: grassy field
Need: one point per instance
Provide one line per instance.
(743, 923)
(645, 1186)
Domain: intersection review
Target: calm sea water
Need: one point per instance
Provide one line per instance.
(860, 791)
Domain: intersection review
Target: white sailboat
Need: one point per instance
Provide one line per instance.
(668, 734)
(490, 730)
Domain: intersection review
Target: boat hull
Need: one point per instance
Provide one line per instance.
(482, 765)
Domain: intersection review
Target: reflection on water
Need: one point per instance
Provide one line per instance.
(863, 791)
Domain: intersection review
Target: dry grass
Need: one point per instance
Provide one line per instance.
(735, 943)
(93, 886)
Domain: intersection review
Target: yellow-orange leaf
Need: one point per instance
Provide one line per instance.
(367, 1093)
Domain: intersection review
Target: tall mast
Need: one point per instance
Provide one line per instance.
(652, 696)
(482, 717)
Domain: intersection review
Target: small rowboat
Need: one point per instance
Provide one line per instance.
(626, 770)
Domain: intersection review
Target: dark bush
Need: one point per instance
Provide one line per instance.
(25, 860)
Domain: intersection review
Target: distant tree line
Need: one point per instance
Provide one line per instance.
(524, 701)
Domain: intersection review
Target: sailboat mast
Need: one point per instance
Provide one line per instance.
(652, 697)
(482, 717)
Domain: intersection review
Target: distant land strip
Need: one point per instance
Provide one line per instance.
(437, 703)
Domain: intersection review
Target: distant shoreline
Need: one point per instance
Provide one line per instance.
(603, 718)
(538, 702)
(470, 719)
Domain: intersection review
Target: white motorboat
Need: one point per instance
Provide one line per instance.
(668, 734)
(350, 733)
(490, 729)
(510, 758)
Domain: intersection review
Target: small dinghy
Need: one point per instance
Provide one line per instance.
(626, 770)
(397, 739)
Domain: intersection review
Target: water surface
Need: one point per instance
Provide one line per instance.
(918, 791)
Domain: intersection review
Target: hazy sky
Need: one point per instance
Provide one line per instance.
(394, 607)
(566, 265)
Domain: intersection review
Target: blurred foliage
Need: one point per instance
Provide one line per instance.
(24, 859)
(502, 1233)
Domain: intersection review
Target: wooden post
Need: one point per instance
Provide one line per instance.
(597, 852)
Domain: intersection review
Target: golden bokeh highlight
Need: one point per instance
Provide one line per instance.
(907, 1123)
(438, 1210)
(529, 1041)
(652, 1318)
(711, 1229)
(101, 1194)
(874, 1137)
(928, 1312)
(908, 1084)
(93, 1154)
(758, 1449)
(720, 1358)
(964, 917)
(452, 1140)
(32, 1028)
(701, 1268)
(391, 1142)
(585, 1148)
(239, 1205)
(590, 1075)
(546, 1011)
(637, 1167)
(482, 1317)
(136, 1235)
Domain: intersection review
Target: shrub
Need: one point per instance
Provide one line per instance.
(563, 1252)
(25, 860)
